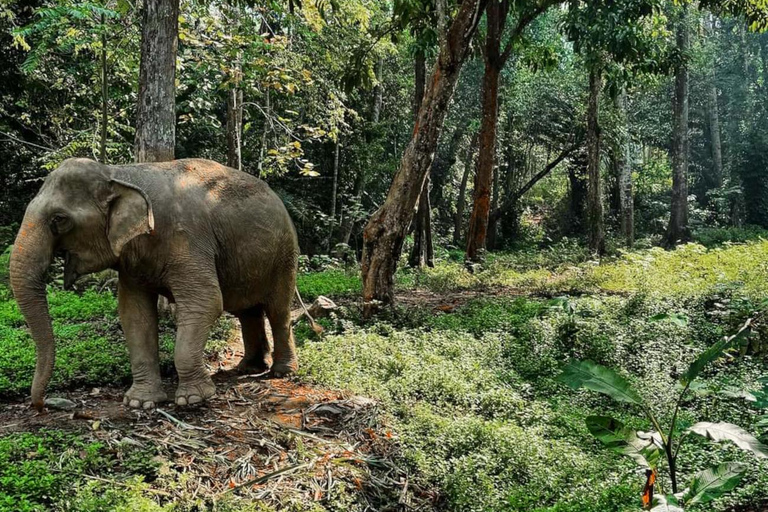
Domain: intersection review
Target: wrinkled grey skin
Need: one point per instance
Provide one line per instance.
(208, 237)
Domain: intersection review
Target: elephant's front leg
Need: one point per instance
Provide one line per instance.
(138, 316)
(198, 307)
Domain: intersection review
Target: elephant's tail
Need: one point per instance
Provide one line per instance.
(315, 326)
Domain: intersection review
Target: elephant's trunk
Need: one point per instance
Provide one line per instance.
(32, 255)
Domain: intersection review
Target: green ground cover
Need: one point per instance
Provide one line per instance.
(471, 392)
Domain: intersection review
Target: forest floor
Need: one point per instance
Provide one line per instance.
(447, 402)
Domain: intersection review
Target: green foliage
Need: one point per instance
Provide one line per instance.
(332, 283)
(713, 483)
(50, 467)
(586, 374)
(645, 449)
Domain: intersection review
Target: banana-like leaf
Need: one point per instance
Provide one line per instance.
(712, 483)
(586, 374)
(621, 439)
(667, 502)
(713, 352)
(733, 433)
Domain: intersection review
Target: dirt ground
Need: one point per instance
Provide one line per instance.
(277, 440)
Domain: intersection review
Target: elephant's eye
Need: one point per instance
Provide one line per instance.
(60, 223)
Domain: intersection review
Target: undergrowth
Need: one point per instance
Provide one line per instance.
(469, 384)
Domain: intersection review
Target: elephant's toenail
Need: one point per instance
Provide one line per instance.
(149, 404)
(135, 404)
(194, 399)
(181, 401)
(125, 400)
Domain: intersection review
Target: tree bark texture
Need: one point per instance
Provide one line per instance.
(156, 119)
(594, 185)
(677, 230)
(384, 234)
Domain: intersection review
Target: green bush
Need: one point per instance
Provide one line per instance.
(331, 283)
(47, 468)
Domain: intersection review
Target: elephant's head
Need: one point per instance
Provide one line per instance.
(86, 215)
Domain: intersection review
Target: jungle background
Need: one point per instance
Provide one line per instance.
(574, 181)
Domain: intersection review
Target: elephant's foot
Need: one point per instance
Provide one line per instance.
(285, 368)
(195, 392)
(144, 396)
(254, 366)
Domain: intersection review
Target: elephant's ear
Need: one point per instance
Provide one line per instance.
(130, 215)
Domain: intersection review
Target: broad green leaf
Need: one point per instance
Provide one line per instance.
(666, 503)
(733, 433)
(586, 374)
(621, 439)
(713, 353)
(712, 483)
(675, 318)
(734, 392)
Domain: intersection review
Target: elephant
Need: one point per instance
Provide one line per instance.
(207, 237)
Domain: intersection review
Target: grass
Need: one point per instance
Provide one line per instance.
(471, 392)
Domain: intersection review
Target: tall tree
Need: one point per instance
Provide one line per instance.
(235, 128)
(423, 252)
(623, 171)
(677, 229)
(594, 183)
(461, 201)
(495, 57)
(156, 117)
(384, 234)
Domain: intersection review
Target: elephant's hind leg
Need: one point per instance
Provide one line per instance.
(257, 356)
(285, 361)
(138, 316)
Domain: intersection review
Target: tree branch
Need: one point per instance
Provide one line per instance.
(515, 196)
(522, 23)
(20, 141)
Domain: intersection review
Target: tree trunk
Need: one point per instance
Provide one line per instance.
(493, 220)
(156, 119)
(441, 172)
(594, 190)
(458, 220)
(104, 93)
(577, 198)
(264, 133)
(384, 234)
(495, 58)
(677, 230)
(422, 253)
(714, 134)
(235, 128)
(378, 92)
(478, 221)
(334, 191)
(624, 174)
